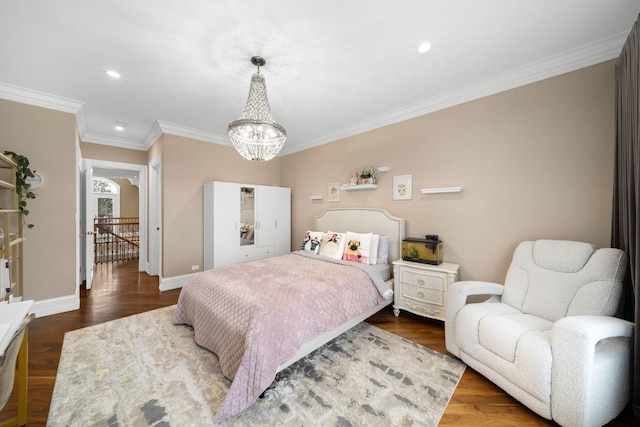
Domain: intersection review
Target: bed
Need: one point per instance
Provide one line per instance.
(260, 317)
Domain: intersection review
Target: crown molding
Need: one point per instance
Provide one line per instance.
(152, 137)
(39, 99)
(582, 57)
(566, 62)
(114, 142)
(187, 132)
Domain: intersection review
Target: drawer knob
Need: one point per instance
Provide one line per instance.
(421, 282)
(420, 294)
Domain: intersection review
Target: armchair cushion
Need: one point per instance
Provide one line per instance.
(501, 334)
(553, 279)
(562, 256)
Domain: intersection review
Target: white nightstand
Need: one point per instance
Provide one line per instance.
(422, 288)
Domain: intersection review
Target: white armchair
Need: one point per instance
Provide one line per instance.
(547, 336)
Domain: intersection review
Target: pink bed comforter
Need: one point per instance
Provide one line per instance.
(255, 316)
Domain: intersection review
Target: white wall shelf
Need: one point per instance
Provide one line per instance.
(441, 190)
(315, 197)
(358, 187)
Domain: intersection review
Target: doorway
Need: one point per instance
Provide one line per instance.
(137, 175)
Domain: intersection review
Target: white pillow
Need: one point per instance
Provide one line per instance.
(311, 241)
(358, 247)
(375, 240)
(383, 250)
(332, 244)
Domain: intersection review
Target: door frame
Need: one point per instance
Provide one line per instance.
(141, 171)
(154, 267)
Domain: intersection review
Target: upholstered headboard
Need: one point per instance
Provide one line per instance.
(365, 220)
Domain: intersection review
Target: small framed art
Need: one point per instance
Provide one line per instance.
(333, 192)
(402, 187)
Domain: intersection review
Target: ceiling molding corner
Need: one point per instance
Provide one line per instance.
(152, 137)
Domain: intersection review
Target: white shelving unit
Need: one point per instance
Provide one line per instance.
(358, 187)
(11, 223)
(441, 190)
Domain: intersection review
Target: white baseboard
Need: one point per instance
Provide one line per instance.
(58, 305)
(168, 283)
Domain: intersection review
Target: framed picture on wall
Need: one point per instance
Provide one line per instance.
(333, 191)
(402, 187)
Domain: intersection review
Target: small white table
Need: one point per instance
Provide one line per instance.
(11, 315)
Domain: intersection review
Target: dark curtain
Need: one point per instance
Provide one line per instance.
(626, 207)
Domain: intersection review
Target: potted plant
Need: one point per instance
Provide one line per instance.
(368, 176)
(23, 173)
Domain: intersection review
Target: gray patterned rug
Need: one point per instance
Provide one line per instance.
(144, 371)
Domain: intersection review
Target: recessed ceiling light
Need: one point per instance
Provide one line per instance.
(424, 47)
(120, 126)
(113, 73)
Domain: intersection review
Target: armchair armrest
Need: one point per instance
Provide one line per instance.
(457, 294)
(591, 362)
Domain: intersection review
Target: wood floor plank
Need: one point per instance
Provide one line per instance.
(120, 290)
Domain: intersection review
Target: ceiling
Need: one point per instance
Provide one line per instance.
(334, 68)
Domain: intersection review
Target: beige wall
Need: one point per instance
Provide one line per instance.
(48, 138)
(112, 154)
(535, 162)
(129, 195)
(186, 165)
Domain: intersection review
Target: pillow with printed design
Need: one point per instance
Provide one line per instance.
(357, 247)
(311, 241)
(332, 245)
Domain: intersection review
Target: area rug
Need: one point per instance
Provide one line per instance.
(144, 371)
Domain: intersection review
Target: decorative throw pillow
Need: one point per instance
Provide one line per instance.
(383, 250)
(358, 247)
(332, 245)
(311, 241)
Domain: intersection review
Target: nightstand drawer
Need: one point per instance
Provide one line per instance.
(422, 279)
(423, 294)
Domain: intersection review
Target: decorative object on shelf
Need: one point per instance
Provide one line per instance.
(402, 187)
(255, 135)
(368, 175)
(441, 190)
(354, 178)
(333, 191)
(23, 186)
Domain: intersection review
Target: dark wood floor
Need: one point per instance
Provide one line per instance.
(119, 291)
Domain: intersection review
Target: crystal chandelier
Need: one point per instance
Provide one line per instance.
(255, 135)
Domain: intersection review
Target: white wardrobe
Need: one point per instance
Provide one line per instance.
(244, 222)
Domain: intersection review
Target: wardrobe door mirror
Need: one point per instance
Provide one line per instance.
(247, 215)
